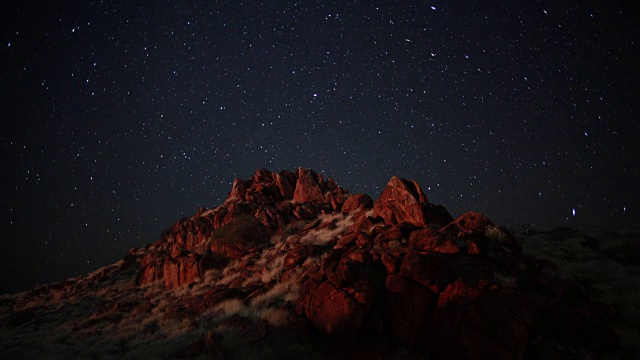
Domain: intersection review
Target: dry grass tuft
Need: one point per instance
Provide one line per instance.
(324, 234)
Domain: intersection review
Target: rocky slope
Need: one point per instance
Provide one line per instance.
(292, 265)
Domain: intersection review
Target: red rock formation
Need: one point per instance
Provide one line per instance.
(261, 177)
(238, 190)
(410, 306)
(151, 268)
(486, 327)
(297, 255)
(434, 271)
(410, 269)
(402, 201)
(307, 187)
(182, 270)
(334, 311)
(423, 239)
(357, 201)
(284, 185)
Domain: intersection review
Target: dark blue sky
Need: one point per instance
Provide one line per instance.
(118, 118)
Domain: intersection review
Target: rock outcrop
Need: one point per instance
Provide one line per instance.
(402, 201)
(308, 187)
(305, 254)
(407, 269)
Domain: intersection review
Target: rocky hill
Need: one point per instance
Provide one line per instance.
(291, 265)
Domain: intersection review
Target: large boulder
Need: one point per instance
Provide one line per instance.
(410, 306)
(357, 201)
(284, 185)
(402, 201)
(307, 187)
(334, 311)
(434, 271)
(469, 323)
(298, 254)
(261, 176)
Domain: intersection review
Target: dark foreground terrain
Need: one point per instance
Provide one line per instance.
(293, 266)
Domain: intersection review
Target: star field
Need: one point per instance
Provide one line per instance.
(119, 118)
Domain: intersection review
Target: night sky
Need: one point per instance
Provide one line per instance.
(119, 118)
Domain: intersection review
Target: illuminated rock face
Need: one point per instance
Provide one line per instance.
(402, 201)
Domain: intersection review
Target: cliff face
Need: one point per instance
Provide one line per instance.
(291, 258)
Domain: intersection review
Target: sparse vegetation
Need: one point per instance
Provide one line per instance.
(495, 234)
(228, 308)
(331, 228)
(275, 317)
(394, 244)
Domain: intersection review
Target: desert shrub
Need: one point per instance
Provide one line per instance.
(495, 234)
(325, 234)
(281, 291)
(228, 277)
(394, 244)
(245, 230)
(229, 308)
(274, 316)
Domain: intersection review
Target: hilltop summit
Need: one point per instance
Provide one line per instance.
(293, 265)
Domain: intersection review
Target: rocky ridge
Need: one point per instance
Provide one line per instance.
(290, 255)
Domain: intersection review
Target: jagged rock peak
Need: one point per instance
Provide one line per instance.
(238, 189)
(308, 187)
(266, 187)
(402, 201)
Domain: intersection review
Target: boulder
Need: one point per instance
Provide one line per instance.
(362, 223)
(305, 212)
(357, 201)
(285, 186)
(402, 201)
(261, 177)
(390, 259)
(410, 306)
(469, 323)
(269, 217)
(297, 255)
(422, 239)
(335, 312)
(307, 187)
(259, 198)
(467, 223)
(434, 271)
